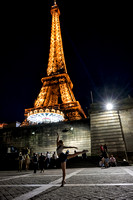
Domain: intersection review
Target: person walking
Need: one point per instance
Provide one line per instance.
(63, 157)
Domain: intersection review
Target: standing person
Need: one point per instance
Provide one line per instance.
(84, 156)
(20, 158)
(101, 148)
(35, 162)
(27, 162)
(63, 157)
(53, 159)
(41, 163)
(105, 148)
(47, 159)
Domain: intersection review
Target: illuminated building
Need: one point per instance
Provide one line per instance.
(56, 101)
(3, 125)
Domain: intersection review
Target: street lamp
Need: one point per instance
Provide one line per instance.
(66, 129)
(109, 106)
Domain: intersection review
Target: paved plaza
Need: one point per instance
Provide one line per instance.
(82, 183)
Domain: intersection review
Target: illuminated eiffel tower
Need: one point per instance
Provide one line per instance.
(56, 101)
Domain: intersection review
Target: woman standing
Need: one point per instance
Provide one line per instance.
(27, 162)
(63, 157)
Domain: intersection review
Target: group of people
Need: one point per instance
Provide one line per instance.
(23, 160)
(105, 160)
(37, 161)
(41, 162)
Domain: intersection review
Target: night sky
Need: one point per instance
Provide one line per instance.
(98, 48)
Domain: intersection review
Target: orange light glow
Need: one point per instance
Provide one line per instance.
(56, 93)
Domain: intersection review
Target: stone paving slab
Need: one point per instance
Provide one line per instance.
(30, 180)
(83, 193)
(98, 170)
(11, 193)
(114, 183)
(100, 179)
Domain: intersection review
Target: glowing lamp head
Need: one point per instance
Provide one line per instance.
(109, 106)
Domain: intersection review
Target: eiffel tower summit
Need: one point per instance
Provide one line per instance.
(56, 101)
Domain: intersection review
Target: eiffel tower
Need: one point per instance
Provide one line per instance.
(56, 101)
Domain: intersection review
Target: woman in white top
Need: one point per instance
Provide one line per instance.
(63, 157)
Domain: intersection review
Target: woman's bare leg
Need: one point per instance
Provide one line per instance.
(76, 154)
(63, 167)
(63, 164)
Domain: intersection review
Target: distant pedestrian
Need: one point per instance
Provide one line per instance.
(63, 157)
(35, 162)
(54, 156)
(105, 148)
(47, 159)
(84, 156)
(101, 148)
(41, 162)
(20, 159)
(53, 160)
(27, 162)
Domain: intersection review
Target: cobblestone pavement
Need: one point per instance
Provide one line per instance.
(84, 183)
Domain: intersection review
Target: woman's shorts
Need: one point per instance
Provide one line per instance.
(63, 157)
(106, 160)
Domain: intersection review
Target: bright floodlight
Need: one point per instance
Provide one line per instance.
(109, 106)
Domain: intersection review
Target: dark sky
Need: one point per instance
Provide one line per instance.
(98, 47)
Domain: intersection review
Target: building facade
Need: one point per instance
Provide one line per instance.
(42, 138)
(113, 128)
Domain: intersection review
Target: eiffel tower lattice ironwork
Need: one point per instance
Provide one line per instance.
(56, 101)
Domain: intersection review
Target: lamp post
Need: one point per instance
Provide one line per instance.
(122, 134)
(66, 130)
(109, 106)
